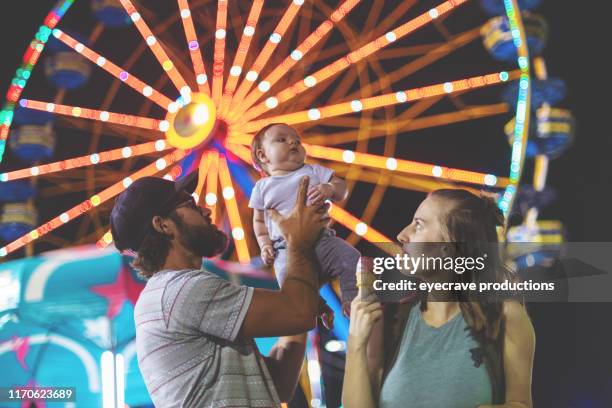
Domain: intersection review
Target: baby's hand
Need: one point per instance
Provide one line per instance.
(318, 194)
(326, 314)
(267, 254)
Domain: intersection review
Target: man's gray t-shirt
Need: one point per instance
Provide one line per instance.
(187, 323)
(280, 192)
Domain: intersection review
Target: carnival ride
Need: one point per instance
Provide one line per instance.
(306, 64)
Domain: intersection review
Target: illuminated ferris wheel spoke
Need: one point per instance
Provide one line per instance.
(296, 55)
(357, 105)
(265, 54)
(378, 130)
(435, 54)
(241, 53)
(194, 47)
(354, 56)
(242, 152)
(365, 231)
(116, 71)
(202, 172)
(355, 123)
(219, 52)
(93, 201)
(403, 181)
(153, 43)
(93, 114)
(403, 166)
(240, 138)
(211, 197)
(87, 160)
(231, 206)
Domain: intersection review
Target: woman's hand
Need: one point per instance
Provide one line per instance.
(364, 313)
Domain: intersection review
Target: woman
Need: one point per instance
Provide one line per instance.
(445, 349)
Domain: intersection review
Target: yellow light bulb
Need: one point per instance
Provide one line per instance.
(200, 115)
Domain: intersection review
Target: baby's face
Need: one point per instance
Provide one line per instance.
(282, 149)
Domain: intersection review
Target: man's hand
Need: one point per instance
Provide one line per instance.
(267, 254)
(318, 194)
(302, 226)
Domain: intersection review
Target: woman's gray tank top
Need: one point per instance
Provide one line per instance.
(435, 369)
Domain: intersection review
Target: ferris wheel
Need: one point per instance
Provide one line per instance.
(181, 86)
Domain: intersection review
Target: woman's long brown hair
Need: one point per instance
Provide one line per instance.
(471, 226)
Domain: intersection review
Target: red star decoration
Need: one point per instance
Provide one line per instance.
(117, 292)
(21, 348)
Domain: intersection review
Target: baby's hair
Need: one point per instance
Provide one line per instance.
(256, 144)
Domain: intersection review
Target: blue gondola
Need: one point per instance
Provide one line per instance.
(550, 91)
(15, 191)
(16, 220)
(555, 131)
(32, 143)
(25, 116)
(551, 132)
(64, 67)
(535, 245)
(498, 40)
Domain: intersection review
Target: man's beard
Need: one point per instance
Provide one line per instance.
(205, 241)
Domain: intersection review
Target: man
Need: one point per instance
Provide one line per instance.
(194, 330)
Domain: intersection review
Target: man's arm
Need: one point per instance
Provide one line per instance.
(285, 363)
(293, 309)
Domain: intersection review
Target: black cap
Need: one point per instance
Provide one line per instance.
(146, 197)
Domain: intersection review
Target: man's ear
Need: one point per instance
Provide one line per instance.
(160, 224)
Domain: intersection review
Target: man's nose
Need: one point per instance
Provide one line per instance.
(206, 211)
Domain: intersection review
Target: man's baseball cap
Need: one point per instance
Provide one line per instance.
(146, 197)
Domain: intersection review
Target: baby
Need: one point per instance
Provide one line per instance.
(278, 152)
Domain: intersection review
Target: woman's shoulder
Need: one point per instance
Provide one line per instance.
(513, 309)
(517, 322)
